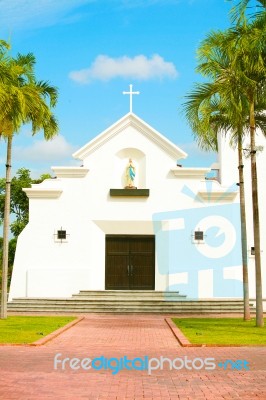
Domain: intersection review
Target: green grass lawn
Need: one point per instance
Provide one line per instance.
(29, 329)
(221, 331)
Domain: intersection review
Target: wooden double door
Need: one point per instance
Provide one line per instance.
(130, 262)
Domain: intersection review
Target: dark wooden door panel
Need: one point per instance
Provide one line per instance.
(117, 245)
(142, 271)
(130, 262)
(142, 245)
(117, 271)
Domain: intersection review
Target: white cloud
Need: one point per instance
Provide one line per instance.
(41, 151)
(140, 67)
(31, 13)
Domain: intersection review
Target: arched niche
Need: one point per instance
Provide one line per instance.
(121, 161)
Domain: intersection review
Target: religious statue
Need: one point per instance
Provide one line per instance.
(130, 175)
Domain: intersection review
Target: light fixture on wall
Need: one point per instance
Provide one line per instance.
(198, 237)
(61, 235)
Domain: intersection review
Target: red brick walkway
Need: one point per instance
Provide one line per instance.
(27, 373)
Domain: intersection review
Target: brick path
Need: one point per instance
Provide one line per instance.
(27, 373)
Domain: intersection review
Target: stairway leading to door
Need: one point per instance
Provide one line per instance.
(122, 301)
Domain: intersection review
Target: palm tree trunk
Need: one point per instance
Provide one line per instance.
(243, 230)
(6, 230)
(256, 220)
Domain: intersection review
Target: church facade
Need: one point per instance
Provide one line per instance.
(132, 218)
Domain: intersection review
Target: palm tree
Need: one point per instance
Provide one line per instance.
(250, 59)
(235, 61)
(208, 117)
(24, 100)
(243, 226)
(239, 12)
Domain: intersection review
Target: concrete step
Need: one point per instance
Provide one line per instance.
(161, 310)
(122, 301)
(102, 301)
(157, 307)
(132, 294)
(184, 303)
(126, 311)
(127, 292)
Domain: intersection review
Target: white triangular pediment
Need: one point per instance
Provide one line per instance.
(142, 127)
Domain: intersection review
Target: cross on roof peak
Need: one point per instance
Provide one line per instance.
(130, 93)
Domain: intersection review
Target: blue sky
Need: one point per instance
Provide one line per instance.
(92, 50)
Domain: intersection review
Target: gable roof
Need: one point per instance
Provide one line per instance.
(142, 127)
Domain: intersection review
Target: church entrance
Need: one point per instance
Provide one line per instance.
(130, 262)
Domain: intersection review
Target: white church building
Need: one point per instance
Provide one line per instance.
(131, 217)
